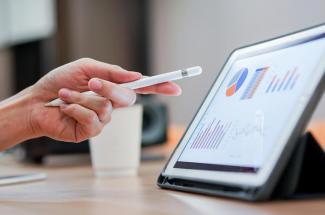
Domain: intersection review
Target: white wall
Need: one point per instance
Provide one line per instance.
(21, 21)
(191, 32)
(25, 20)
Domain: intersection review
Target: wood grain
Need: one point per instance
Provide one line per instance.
(72, 189)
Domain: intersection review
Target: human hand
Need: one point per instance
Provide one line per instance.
(83, 116)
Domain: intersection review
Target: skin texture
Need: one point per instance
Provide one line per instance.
(25, 116)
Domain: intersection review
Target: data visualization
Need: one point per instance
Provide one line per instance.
(264, 80)
(211, 135)
(285, 83)
(236, 82)
(254, 83)
(241, 124)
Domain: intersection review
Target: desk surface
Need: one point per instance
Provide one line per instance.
(74, 190)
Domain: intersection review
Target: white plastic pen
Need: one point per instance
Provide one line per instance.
(147, 81)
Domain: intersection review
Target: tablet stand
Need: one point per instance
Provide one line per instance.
(304, 175)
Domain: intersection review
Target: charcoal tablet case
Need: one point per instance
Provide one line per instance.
(299, 172)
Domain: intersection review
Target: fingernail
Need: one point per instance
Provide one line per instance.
(176, 91)
(96, 84)
(137, 73)
(65, 93)
(179, 92)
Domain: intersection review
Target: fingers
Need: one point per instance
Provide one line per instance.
(120, 97)
(109, 72)
(102, 106)
(168, 88)
(87, 118)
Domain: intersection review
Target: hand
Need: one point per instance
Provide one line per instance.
(84, 116)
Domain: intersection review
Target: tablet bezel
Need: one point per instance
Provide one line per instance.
(291, 131)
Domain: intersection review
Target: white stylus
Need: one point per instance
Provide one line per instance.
(147, 81)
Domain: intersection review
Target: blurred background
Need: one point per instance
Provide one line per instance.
(150, 36)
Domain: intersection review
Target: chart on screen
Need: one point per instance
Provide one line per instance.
(254, 83)
(236, 82)
(211, 135)
(242, 123)
(283, 83)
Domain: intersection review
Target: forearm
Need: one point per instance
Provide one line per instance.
(14, 120)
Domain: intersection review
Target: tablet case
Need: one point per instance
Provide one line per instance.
(303, 177)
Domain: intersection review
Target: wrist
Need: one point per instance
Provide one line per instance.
(15, 119)
(28, 100)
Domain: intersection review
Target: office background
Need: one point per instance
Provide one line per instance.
(178, 34)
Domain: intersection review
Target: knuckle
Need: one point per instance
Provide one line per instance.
(85, 60)
(95, 131)
(77, 97)
(90, 119)
(117, 67)
(107, 107)
(107, 89)
(79, 140)
(84, 64)
(73, 108)
(102, 113)
(105, 118)
(103, 103)
(105, 112)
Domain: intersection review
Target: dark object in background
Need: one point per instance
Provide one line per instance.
(155, 122)
(36, 150)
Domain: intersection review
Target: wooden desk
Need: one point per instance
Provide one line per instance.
(74, 190)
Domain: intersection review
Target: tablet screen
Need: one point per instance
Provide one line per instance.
(243, 121)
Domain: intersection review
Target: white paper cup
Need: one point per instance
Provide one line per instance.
(116, 150)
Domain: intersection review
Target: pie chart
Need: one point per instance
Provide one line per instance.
(236, 82)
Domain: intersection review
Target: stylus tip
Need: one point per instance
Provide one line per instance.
(194, 71)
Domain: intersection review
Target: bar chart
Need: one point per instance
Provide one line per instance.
(254, 83)
(211, 135)
(284, 83)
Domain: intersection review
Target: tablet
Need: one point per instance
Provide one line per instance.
(18, 179)
(252, 116)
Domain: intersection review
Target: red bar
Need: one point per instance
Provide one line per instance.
(200, 139)
(207, 134)
(215, 140)
(197, 137)
(223, 134)
(257, 83)
(209, 140)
